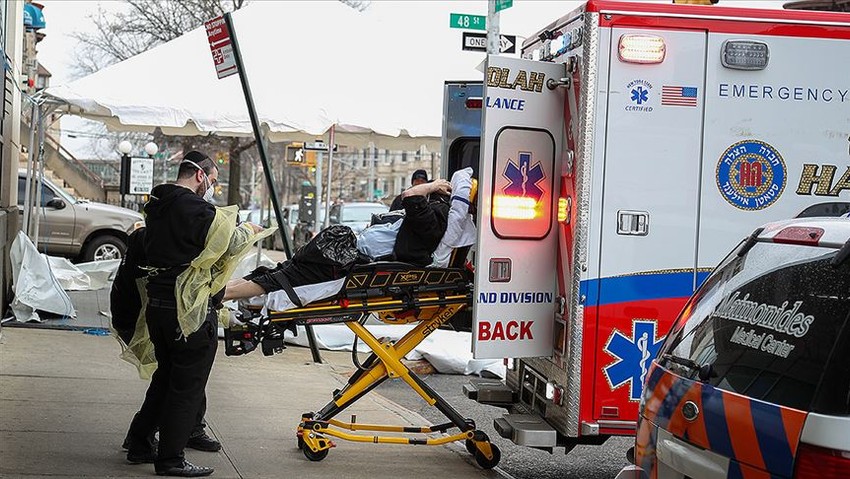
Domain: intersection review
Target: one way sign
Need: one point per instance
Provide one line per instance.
(477, 42)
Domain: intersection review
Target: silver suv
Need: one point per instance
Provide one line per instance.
(754, 378)
(79, 228)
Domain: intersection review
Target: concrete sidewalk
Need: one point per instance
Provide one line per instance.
(66, 400)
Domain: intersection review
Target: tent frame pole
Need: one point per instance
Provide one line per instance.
(261, 147)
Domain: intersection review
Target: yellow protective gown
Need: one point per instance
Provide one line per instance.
(225, 246)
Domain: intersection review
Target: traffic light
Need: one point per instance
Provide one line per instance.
(296, 155)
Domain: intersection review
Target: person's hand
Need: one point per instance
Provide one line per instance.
(441, 186)
(255, 227)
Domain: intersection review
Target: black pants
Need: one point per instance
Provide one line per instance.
(176, 392)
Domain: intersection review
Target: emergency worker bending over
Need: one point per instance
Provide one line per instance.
(191, 248)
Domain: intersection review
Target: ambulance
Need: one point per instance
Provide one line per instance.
(626, 151)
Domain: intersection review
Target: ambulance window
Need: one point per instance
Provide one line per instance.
(464, 152)
(523, 180)
(836, 208)
(775, 326)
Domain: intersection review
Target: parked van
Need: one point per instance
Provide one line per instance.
(754, 377)
(78, 228)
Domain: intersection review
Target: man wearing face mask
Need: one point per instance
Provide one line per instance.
(180, 222)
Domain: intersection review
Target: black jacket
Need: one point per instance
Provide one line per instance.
(178, 221)
(125, 301)
(423, 227)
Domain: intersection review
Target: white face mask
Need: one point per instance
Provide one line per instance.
(209, 192)
(208, 189)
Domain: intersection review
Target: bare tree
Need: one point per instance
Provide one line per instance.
(140, 26)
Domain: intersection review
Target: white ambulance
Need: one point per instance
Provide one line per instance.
(627, 151)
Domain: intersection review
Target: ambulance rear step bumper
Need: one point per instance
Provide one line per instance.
(489, 391)
(526, 430)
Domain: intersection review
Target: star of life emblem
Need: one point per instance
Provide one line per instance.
(524, 178)
(634, 355)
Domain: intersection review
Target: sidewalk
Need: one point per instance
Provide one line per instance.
(66, 400)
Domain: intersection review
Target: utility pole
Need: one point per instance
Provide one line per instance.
(370, 188)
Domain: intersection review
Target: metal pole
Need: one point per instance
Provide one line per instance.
(255, 123)
(370, 188)
(330, 179)
(317, 202)
(41, 114)
(493, 46)
(261, 147)
(28, 191)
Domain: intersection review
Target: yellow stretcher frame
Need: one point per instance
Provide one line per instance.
(428, 303)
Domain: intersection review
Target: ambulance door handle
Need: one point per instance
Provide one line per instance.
(632, 223)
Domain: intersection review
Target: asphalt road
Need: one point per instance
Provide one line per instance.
(583, 462)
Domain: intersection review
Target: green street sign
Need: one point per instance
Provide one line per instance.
(468, 22)
(503, 4)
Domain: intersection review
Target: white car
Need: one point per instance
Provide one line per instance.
(754, 378)
(357, 215)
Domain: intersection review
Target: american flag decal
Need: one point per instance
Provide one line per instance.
(679, 95)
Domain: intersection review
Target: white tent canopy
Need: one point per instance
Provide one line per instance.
(310, 65)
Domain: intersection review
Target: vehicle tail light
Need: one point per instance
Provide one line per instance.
(474, 103)
(564, 210)
(640, 48)
(799, 235)
(515, 207)
(820, 463)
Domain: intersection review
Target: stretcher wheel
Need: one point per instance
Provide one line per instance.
(482, 460)
(300, 442)
(315, 456)
(470, 447)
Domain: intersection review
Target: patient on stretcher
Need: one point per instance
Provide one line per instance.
(432, 225)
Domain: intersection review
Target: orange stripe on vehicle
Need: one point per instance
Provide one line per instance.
(793, 420)
(742, 432)
(696, 430)
(659, 392)
(749, 472)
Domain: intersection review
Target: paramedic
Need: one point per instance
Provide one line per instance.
(426, 207)
(125, 302)
(419, 177)
(179, 219)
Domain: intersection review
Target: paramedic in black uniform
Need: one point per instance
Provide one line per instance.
(125, 302)
(178, 219)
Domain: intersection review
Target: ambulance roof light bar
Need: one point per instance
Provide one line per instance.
(642, 48)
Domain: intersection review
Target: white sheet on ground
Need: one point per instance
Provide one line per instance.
(35, 286)
(89, 276)
(449, 352)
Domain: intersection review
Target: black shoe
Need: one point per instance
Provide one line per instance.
(186, 470)
(140, 457)
(202, 442)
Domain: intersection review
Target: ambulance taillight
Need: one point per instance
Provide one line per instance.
(564, 210)
(642, 48)
(516, 208)
(474, 103)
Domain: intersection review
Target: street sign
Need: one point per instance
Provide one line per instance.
(503, 4)
(141, 176)
(477, 42)
(222, 50)
(467, 22)
(318, 146)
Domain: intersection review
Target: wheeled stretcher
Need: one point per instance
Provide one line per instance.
(398, 293)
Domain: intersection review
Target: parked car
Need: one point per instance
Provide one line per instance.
(78, 228)
(357, 215)
(754, 378)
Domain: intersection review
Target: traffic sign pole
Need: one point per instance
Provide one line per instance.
(261, 147)
(493, 46)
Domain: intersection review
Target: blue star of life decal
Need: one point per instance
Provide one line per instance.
(524, 178)
(640, 95)
(634, 356)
